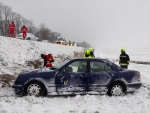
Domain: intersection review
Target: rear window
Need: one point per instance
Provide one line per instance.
(96, 66)
(19, 35)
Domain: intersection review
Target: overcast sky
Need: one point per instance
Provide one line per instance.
(102, 23)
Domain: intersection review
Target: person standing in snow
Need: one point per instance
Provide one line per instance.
(12, 28)
(24, 31)
(124, 59)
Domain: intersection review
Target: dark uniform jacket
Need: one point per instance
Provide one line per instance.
(124, 59)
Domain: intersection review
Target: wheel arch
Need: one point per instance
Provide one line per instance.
(28, 38)
(32, 81)
(120, 82)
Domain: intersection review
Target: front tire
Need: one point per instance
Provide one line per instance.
(35, 88)
(116, 89)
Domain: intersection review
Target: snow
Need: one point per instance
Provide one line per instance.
(15, 52)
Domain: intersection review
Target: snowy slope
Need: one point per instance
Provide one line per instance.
(14, 54)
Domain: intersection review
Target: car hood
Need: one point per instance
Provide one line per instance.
(37, 71)
(34, 74)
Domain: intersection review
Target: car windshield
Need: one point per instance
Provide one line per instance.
(19, 35)
(118, 67)
(60, 39)
(60, 64)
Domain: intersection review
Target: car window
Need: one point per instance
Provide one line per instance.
(108, 68)
(77, 66)
(96, 66)
(19, 35)
(61, 64)
(31, 35)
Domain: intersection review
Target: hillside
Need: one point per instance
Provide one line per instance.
(18, 55)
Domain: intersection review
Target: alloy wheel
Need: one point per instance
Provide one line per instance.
(117, 90)
(34, 89)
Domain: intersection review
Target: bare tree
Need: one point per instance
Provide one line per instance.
(24, 21)
(7, 16)
(44, 33)
(35, 30)
(1, 6)
(54, 36)
(18, 19)
(30, 26)
(6, 10)
(1, 20)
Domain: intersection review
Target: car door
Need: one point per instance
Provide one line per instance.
(100, 76)
(72, 78)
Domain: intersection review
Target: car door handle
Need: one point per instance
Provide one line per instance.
(108, 76)
(111, 74)
(83, 76)
(62, 78)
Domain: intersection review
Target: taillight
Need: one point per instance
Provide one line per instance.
(139, 78)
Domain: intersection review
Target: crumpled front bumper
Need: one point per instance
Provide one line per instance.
(18, 89)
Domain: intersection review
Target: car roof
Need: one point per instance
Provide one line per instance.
(21, 33)
(115, 66)
(101, 59)
(90, 58)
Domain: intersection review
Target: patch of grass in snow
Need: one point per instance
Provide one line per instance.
(86, 111)
(78, 54)
(36, 64)
(6, 79)
(137, 62)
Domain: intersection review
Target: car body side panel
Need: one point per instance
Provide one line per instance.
(47, 79)
(130, 78)
(70, 82)
(58, 82)
(98, 81)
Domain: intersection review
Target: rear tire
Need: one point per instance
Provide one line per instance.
(116, 89)
(35, 88)
(28, 38)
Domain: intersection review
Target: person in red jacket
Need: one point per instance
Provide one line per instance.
(12, 28)
(47, 60)
(24, 31)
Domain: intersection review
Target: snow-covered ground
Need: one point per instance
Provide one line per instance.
(14, 54)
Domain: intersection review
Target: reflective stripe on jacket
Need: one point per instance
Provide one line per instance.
(124, 59)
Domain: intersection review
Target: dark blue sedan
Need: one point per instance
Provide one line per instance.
(78, 76)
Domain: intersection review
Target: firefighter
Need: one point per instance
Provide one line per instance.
(124, 59)
(89, 53)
